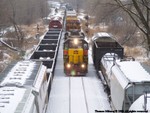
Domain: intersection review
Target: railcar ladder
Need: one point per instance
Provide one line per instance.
(146, 97)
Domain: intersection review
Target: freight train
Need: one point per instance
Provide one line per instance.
(75, 55)
(56, 22)
(24, 88)
(25, 85)
(75, 48)
(73, 24)
(128, 81)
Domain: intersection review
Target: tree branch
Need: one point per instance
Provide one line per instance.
(131, 16)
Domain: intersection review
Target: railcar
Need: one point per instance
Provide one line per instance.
(24, 88)
(102, 43)
(75, 55)
(73, 24)
(71, 13)
(142, 103)
(74, 35)
(56, 22)
(127, 81)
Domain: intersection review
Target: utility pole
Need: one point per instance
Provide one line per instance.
(87, 24)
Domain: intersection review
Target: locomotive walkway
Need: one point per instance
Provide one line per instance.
(83, 94)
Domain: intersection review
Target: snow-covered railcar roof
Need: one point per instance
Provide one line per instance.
(14, 100)
(134, 71)
(140, 104)
(103, 35)
(20, 73)
(126, 71)
(71, 13)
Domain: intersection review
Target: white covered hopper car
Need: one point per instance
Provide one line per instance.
(127, 81)
(23, 88)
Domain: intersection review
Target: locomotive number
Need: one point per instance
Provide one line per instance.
(75, 52)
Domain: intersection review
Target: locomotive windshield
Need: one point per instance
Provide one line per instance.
(76, 43)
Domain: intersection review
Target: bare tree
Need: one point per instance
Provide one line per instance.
(123, 16)
(23, 11)
(12, 17)
(139, 12)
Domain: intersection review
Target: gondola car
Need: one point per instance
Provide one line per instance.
(56, 22)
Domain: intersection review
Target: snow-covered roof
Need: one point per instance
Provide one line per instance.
(13, 98)
(103, 35)
(20, 73)
(140, 105)
(71, 13)
(125, 71)
(134, 71)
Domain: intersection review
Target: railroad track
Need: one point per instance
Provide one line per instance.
(82, 94)
(81, 91)
(69, 94)
(85, 97)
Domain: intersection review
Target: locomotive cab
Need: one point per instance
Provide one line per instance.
(75, 57)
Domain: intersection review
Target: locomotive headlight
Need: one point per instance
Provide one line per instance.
(83, 66)
(76, 41)
(68, 66)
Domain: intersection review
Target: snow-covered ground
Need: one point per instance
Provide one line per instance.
(76, 94)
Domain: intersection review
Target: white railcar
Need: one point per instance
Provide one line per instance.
(127, 80)
(17, 100)
(24, 88)
(141, 104)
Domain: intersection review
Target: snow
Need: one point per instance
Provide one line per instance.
(40, 79)
(54, 14)
(90, 60)
(8, 29)
(120, 74)
(29, 52)
(11, 101)
(103, 34)
(45, 58)
(75, 101)
(23, 68)
(76, 94)
(139, 105)
(63, 95)
(18, 83)
(81, 16)
(134, 71)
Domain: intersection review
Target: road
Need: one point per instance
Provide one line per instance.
(83, 94)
